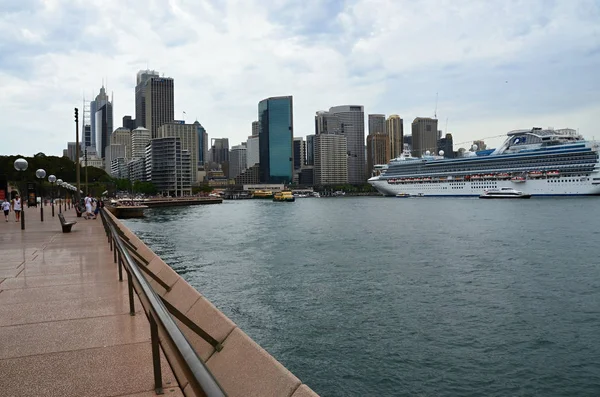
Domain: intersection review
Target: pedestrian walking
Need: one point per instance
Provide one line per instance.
(6, 208)
(88, 206)
(16, 206)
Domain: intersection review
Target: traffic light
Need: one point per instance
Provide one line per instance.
(76, 115)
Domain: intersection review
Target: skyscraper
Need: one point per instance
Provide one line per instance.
(252, 151)
(237, 160)
(102, 125)
(122, 136)
(255, 128)
(128, 123)
(331, 159)
(202, 144)
(378, 150)
(140, 138)
(140, 95)
(376, 123)
(188, 136)
(87, 136)
(424, 136)
(395, 132)
(160, 103)
(352, 119)
(299, 153)
(310, 150)
(327, 123)
(276, 135)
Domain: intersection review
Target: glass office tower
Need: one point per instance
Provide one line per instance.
(276, 137)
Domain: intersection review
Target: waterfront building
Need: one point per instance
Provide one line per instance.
(327, 123)
(310, 150)
(118, 168)
(112, 152)
(170, 167)
(299, 153)
(202, 144)
(377, 124)
(237, 160)
(330, 158)
(250, 175)
(424, 136)
(122, 136)
(378, 150)
(276, 134)
(160, 103)
(395, 132)
(252, 151)
(307, 175)
(137, 169)
(140, 138)
(446, 144)
(140, 95)
(188, 135)
(255, 128)
(352, 119)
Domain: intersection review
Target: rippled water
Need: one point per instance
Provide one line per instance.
(388, 297)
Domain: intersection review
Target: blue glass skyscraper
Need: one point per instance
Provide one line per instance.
(276, 137)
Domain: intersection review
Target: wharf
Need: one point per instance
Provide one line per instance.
(64, 316)
(173, 202)
(66, 327)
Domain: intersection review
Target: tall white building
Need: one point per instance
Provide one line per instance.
(237, 160)
(188, 135)
(140, 138)
(122, 136)
(352, 120)
(252, 153)
(331, 159)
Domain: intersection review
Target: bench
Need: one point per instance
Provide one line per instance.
(66, 226)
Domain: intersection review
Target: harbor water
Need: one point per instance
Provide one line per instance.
(381, 296)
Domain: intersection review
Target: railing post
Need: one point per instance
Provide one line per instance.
(131, 301)
(120, 261)
(155, 355)
(114, 249)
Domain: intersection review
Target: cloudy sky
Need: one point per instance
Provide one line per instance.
(497, 65)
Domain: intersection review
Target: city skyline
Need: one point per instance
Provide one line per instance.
(533, 64)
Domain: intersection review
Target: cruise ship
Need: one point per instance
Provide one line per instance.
(540, 162)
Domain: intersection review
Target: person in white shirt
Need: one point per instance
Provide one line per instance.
(16, 206)
(88, 206)
(6, 209)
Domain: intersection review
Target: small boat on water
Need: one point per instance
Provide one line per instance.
(504, 193)
(284, 196)
(403, 195)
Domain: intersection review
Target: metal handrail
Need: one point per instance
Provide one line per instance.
(199, 377)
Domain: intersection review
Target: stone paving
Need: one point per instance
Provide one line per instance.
(65, 328)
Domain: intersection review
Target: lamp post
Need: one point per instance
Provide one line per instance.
(21, 166)
(59, 183)
(41, 174)
(52, 179)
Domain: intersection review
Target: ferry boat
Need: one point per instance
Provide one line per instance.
(504, 193)
(284, 196)
(542, 162)
(262, 194)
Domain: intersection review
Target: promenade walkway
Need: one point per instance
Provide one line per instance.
(65, 328)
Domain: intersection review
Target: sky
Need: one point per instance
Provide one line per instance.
(494, 66)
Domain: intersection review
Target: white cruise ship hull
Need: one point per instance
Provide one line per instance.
(563, 186)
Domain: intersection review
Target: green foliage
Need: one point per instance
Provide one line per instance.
(144, 187)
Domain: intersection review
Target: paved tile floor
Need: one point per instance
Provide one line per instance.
(65, 328)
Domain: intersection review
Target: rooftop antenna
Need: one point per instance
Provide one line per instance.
(435, 111)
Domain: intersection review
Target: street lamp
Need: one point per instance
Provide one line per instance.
(52, 179)
(41, 174)
(59, 183)
(21, 166)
